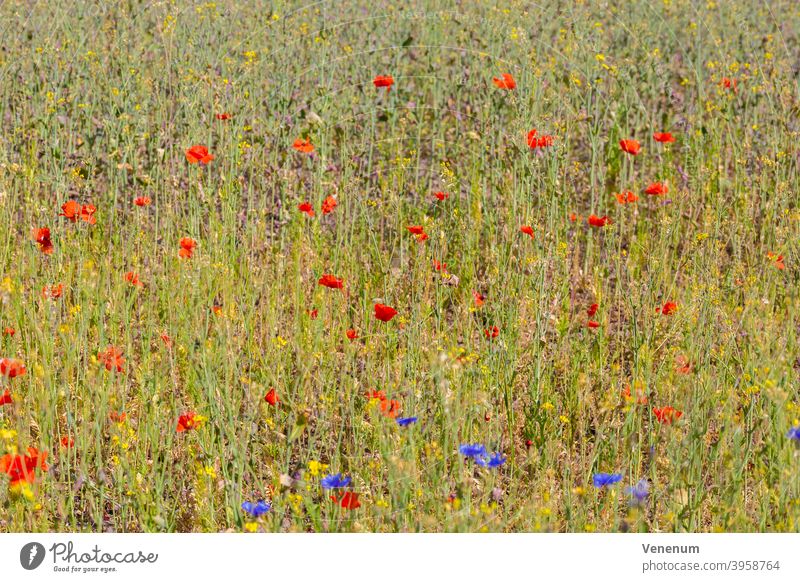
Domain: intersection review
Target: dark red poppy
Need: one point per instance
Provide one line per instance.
(42, 238)
(592, 309)
(384, 312)
(491, 332)
(5, 398)
(223, 116)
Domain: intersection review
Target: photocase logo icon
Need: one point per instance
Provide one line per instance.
(31, 555)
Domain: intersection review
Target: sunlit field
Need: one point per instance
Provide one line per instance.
(399, 267)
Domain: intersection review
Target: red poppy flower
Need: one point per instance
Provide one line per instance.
(592, 324)
(331, 282)
(592, 309)
(312, 313)
(167, 340)
(728, 83)
(491, 332)
(527, 229)
(328, 205)
(348, 500)
(272, 397)
(22, 469)
(573, 217)
(71, 210)
(12, 368)
(384, 312)
(53, 292)
(133, 279)
(657, 189)
(626, 197)
(5, 398)
(663, 137)
(630, 146)
(112, 358)
(438, 266)
(415, 230)
(187, 247)
(142, 201)
(187, 422)
(67, 442)
(376, 394)
(199, 154)
(669, 308)
(9, 331)
(480, 299)
(303, 145)
(440, 196)
(598, 221)
(87, 213)
(42, 238)
(351, 334)
(217, 309)
(777, 260)
(223, 116)
(506, 82)
(390, 408)
(118, 417)
(383, 81)
(306, 207)
(542, 141)
(683, 365)
(667, 415)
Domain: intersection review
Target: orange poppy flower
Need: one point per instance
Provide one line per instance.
(167, 340)
(303, 145)
(9, 331)
(67, 442)
(390, 408)
(71, 210)
(641, 397)
(441, 196)
(598, 221)
(384, 312)
(630, 146)
(5, 398)
(657, 189)
(142, 201)
(542, 141)
(663, 137)
(626, 197)
(22, 468)
(272, 397)
(506, 82)
(133, 279)
(351, 334)
(306, 207)
(480, 299)
(667, 415)
(118, 417)
(331, 282)
(683, 365)
(348, 500)
(188, 421)
(87, 213)
(669, 308)
(111, 358)
(187, 247)
(383, 81)
(527, 229)
(53, 292)
(573, 217)
(12, 368)
(328, 205)
(777, 260)
(42, 238)
(198, 154)
(728, 83)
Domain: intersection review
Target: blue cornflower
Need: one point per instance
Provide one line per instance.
(406, 420)
(639, 492)
(794, 433)
(600, 480)
(256, 509)
(335, 481)
(476, 450)
(493, 462)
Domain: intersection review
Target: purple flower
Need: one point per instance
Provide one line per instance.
(492, 462)
(256, 509)
(794, 434)
(406, 420)
(335, 481)
(639, 492)
(476, 450)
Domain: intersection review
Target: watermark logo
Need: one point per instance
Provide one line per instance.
(31, 555)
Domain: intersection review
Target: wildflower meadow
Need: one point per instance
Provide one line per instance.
(422, 266)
